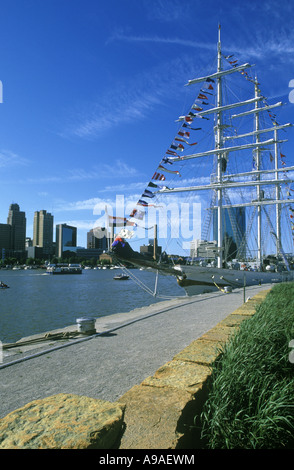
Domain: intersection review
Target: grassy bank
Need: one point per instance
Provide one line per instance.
(251, 401)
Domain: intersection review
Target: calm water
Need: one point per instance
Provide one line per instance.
(37, 302)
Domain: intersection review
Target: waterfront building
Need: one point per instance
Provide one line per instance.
(105, 258)
(234, 229)
(5, 236)
(88, 253)
(203, 249)
(5, 240)
(29, 242)
(148, 250)
(35, 252)
(97, 239)
(17, 220)
(43, 231)
(66, 239)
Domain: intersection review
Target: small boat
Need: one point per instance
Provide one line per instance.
(121, 277)
(3, 286)
(69, 269)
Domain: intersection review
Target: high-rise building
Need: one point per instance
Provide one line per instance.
(66, 239)
(234, 229)
(43, 231)
(17, 220)
(203, 249)
(5, 240)
(5, 236)
(97, 238)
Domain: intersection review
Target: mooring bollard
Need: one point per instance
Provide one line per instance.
(86, 325)
(228, 289)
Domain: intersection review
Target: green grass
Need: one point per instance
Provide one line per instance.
(251, 399)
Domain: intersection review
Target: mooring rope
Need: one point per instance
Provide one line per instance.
(145, 287)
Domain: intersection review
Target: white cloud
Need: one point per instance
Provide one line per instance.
(119, 36)
(131, 100)
(9, 158)
(79, 224)
(134, 103)
(167, 11)
(87, 204)
(118, 169)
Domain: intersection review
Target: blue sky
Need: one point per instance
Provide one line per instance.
(92, 89)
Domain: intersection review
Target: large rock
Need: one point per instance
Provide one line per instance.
(158, 418)
(63, 421)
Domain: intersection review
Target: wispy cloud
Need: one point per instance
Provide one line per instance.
(9, 159)
(167, 11)
(123, 188)
(135, 101)
(139, 96)
(118, 169)
(132, 100)
(120, 36)
(84, 224)
(263, 44)
(82, 205)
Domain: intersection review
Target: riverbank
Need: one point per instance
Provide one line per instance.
(37, 302)
(131, 347)
(156, 414)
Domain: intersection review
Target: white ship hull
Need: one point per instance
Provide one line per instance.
(199, 280)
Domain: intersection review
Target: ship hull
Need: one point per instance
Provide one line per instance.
(199, 280)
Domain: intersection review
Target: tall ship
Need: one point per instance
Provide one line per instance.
(240, 176)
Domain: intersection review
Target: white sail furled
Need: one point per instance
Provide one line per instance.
(227, 150)
(255, 133)
(223, 108)
(220, 74)
(257, 110)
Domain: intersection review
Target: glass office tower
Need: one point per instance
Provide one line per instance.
(66, 239)
(234, 230)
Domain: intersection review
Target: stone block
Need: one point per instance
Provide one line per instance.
(200, 351)
(63, 421)
(220, 334)
(233, 320)
(159, 418)
(181, 375)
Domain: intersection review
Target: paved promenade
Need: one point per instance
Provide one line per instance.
(133, 347)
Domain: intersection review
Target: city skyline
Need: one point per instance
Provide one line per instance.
(92, 90)
(14, 242)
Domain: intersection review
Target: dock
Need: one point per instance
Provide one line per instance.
(127, 348)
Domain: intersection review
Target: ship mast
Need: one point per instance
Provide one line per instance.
(278, 206)
(219, 144)
(258, 166)
(221, 151)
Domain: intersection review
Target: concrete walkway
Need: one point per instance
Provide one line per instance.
(133, 347)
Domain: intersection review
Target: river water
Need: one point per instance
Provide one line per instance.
(37, 302)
